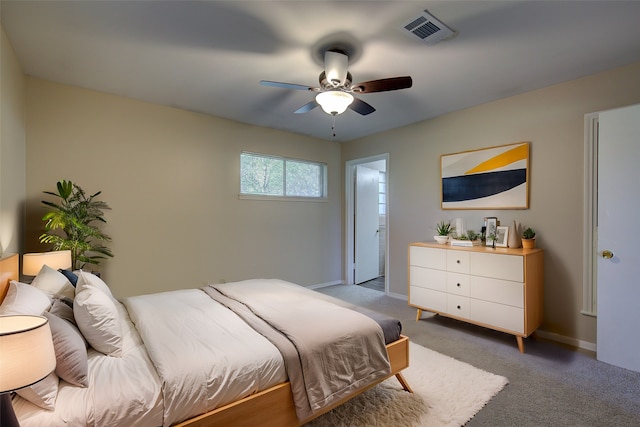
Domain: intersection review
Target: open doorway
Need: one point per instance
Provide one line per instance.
(367, 196)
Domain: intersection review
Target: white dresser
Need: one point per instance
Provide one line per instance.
(499, 288)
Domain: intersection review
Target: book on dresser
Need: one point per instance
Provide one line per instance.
(466, 243)
(497, 288)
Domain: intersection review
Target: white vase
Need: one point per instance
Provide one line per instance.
(441, 239)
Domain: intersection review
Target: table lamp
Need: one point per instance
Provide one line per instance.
(26, 357)
(32, 263)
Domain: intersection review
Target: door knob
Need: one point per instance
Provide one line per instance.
(607, 254)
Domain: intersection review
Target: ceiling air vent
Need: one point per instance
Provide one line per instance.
(427, 29)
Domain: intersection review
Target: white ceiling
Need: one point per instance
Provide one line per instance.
(209, 56)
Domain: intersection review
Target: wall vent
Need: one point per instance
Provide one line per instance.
(426, 28)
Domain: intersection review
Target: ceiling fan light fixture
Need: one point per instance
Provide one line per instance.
(334, 102)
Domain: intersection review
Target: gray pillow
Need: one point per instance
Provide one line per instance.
(71, 353)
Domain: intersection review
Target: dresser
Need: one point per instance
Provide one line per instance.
(499, 288)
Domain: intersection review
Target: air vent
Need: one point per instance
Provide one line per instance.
(427, 29)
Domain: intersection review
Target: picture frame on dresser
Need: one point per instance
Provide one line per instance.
(490, 225)
(502, 236)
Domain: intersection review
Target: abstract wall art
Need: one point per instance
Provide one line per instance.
(490, 178)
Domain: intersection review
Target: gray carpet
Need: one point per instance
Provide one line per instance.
(549, 385)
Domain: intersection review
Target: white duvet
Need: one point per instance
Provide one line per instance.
(205, 355)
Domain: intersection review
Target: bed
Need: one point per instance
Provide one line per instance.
(200, 357)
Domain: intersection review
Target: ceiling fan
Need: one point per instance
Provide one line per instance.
(335, 93)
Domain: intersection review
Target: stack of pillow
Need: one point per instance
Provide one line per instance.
(81, 311)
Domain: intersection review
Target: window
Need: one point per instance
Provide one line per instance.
(271, 176)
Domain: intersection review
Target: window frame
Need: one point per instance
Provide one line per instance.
(283, 197)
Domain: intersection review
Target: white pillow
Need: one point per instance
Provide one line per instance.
(24, 299)
(71, 353)
(97, 317)
(89, 279)
(53, 281)
(43, 393)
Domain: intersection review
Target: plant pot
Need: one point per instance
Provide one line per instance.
(441, 239)
(529, 243)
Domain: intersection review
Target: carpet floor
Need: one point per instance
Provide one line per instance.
(447, 392)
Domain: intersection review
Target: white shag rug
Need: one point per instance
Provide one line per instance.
(447, 392)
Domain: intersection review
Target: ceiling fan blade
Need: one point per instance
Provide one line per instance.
(361, 107)
(383, 85)
(287, 85)
(307, 107)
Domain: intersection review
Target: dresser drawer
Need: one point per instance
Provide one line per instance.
(458, 284)
(428, 278)
(497, 266)
(458, 306)
(495, 290)
(428, 257)
(497, 315)
(428, 299)
(458, 261)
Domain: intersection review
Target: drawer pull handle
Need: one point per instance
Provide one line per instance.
(458, 307)
(458, 285)
(458, 261)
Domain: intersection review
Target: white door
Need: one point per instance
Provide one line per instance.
(367, 228)
(618, 295)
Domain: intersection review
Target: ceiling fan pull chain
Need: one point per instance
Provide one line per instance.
(333, 124)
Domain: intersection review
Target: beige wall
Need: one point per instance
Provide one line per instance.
(171, 178)
(12, 148)
(552, 119)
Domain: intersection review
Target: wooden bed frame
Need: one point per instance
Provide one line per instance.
(271, 407)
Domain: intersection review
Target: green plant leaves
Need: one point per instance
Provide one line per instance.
(70, 224)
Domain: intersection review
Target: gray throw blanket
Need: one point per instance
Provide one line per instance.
(330, 351)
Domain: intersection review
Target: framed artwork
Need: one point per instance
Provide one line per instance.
(490, 178)
(502, 236)
(491, 228)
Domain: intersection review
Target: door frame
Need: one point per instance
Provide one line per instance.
(590, 225)
(350, 168)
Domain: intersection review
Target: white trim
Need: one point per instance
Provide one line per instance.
(590, 224)
(325, 285)
(350, 167)
(266, 197)
(573, 342)
(398, 296)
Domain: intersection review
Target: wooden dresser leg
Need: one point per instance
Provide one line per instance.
(403, 382)
(418, 314)
(520, 344)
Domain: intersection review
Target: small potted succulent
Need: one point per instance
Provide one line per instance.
(443, 230)
(529, 238)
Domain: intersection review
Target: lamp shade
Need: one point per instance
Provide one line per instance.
(26, 351)
(32, 263)
(334, 101)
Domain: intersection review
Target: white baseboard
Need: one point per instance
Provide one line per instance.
(574, 342)
(398, 296)
(324, 285)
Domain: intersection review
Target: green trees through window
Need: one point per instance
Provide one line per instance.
(264, 175)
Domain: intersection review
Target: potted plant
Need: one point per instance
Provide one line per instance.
(76, 216)
(529, 238)
(443, 230)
